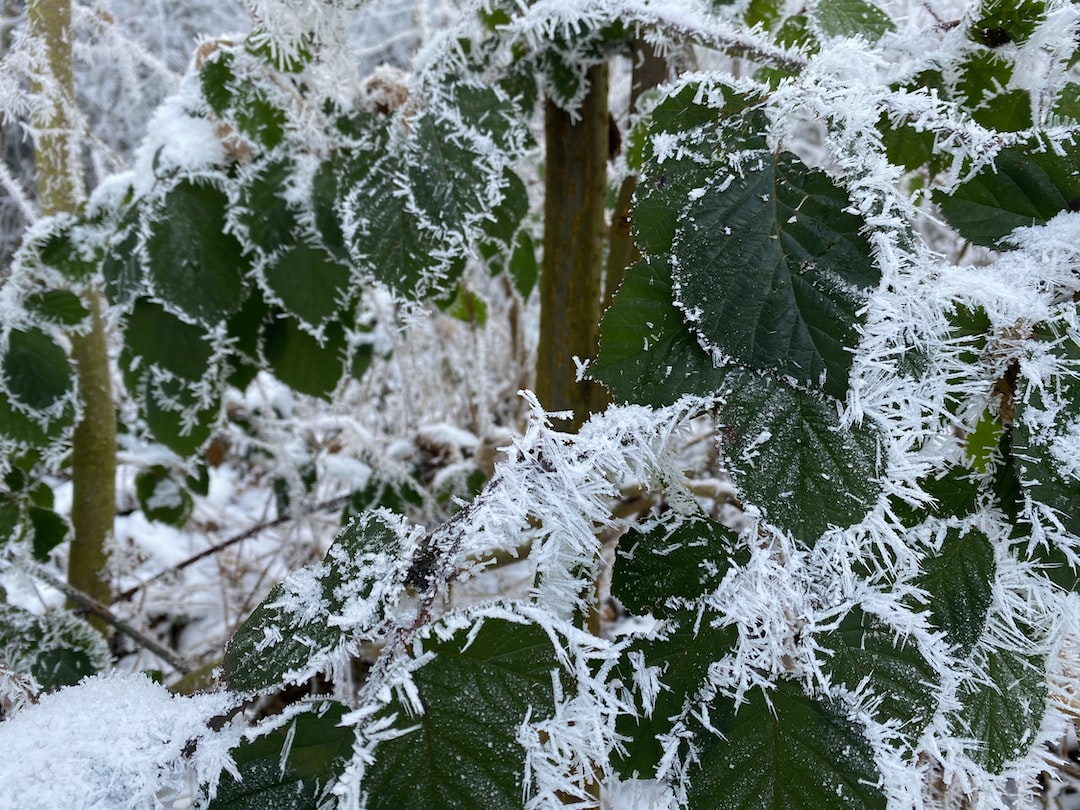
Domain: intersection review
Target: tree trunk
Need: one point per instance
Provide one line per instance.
(572, 270)
(58, 165)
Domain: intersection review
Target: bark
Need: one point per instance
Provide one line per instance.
(58, 166)
(573, 264)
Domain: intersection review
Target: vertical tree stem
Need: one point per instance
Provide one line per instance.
(575, 196)
(58, 168)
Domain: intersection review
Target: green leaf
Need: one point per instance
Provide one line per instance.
(789, 454)
(162, 497)
(157, 338)
(852, 18)
(175, 414)
(524, 269)
(291, 635)
(695, 136)
(388, 241)
(216, 79)
(1003, 715)
(959, 580)
(59, 307)
(1007, 112)
(865, 649)
(955, 493)
(302, 362)
(122, 267)
(461, 752)
(774, 271)
(786, 752)
(1002, 21)
(36, 371)
(258, 117)
(468, 307)
(270, 222)
(310, 283)
(1022, 187)
(647, 355)
(21, 428)
(507, 216)
(983, 440)
(447, 178)
(193, 264)
(57, 648)
(1068, 102)
(69, 249)
(683, 651)
(293, 766)
(49, 530)
(672, 563)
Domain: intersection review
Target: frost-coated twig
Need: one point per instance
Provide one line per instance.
(124, 596)
(91, 605)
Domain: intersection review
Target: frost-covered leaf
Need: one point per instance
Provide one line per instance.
(448, 179)
(67, 248)
(48, 530)
(294, 766)
(789, 752)
(647, 355)
(681, 561)
(388, 240)
(174, 413)
(772, 271)
(682, 651)
(59, 307)
(36, 371)
(318, 610)
(1022, 187)
(462, 751)
(791, 457)
(155, 337)
(959, 580)
(680, 145)
(57, 648)
(850, 18)
(162, 497)
(1003, 21)
(507, 216)
(302, 362)
(121, 268)
(1003, 715)
(865, 649)
(311, 285)
(269, 221)
(193, 264)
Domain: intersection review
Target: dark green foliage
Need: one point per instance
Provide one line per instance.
(57, 648)
(294, 766)
(784, 751)
(461, 752)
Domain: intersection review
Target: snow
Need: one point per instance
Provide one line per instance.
(112, 742)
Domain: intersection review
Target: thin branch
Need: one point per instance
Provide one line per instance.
(94, 607)
(333, 503)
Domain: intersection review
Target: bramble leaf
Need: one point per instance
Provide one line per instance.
(772, 271)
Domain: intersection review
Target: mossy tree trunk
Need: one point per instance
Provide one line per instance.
(58, 166)
(574, 229)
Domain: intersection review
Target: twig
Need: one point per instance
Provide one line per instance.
(333, 503)
(91, 605)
